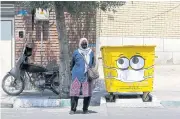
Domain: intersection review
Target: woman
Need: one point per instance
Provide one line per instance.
(80, 83)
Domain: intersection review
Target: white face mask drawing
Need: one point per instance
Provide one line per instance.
(135, 74)
(130, 75)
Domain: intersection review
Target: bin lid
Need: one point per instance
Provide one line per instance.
(127, 46)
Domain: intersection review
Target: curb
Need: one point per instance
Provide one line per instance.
(45, 103)
(133, 103)
(35, 102)
(54, 102)
(170, 103)
(66, 103)
(6, 105)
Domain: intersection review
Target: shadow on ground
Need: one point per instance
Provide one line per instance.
(89, 112)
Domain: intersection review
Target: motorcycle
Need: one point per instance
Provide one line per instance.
(40, 77)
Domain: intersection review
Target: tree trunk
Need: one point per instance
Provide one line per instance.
(64, 69)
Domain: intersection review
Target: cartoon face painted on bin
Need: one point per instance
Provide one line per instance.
(131, 70)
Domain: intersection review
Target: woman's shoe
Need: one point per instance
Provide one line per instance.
(86, 112)
(72, 112)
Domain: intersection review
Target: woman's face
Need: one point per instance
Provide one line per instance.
(84, 44)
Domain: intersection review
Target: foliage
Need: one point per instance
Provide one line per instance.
(73, 7)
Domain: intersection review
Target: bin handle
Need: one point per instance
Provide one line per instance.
(99, 58)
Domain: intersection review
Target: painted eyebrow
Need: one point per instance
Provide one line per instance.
(140, 55)
(121, 55)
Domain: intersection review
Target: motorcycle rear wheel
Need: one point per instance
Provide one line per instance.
(55, 87)
(13, 83)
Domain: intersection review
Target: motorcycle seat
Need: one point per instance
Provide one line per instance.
(54, 69)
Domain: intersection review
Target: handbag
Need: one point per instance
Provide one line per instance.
(92, 73)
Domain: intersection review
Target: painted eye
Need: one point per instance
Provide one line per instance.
(123, 63)
(137, 62)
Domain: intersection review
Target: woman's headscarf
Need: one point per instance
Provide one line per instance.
(85, 52)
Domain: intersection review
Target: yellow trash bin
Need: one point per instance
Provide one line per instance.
(129, 69)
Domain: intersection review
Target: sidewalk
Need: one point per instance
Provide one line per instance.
(166, 89)
(167, 78)
(167, 85)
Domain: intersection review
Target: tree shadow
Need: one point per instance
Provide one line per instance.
(77, 27)
(33, 29)
(80, 26)
(45, 29)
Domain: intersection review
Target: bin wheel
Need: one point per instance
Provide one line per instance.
(146, 97)
(112, 97)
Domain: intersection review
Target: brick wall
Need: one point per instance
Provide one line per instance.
(50, 50)
(143, 19)
(143, 23)
(83, 26)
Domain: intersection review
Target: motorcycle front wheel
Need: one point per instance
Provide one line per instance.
(12, 86)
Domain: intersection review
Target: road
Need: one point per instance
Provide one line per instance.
(97, 112)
